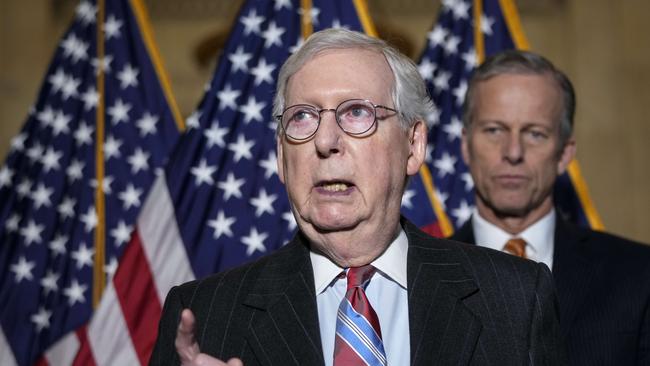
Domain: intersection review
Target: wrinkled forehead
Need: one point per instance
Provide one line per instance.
(519, 93)
(360, 70)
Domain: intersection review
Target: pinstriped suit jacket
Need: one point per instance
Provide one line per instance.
(467, 306)
(603, 286)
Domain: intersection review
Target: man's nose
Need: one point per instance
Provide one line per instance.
(514, 149)
(328, 136)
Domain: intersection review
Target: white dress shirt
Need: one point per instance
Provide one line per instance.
(539, 237)
(386, 293)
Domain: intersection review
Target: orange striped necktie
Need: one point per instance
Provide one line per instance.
(516, 246)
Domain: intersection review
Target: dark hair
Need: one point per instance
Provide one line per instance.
(523, 62)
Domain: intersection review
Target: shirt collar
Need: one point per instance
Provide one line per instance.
(391, 263)
(539, 236)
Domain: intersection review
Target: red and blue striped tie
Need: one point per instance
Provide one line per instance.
(358, 335)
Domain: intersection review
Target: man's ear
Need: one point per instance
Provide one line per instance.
(417, 147)
(280, 154)
(567, 154)
(464, 146)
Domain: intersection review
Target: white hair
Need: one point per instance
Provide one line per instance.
(409, 92)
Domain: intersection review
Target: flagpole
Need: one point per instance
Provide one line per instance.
(479, 42)
(99, 279)
(364, 18)
(446, 228)
(305, 20)
(580, 185)
(511, 17)
(140, 12)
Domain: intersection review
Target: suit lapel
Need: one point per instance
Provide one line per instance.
(442, 329)
(573, 270)
(285, 331)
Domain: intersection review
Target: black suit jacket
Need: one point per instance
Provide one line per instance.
(467, 306)
(603, 286)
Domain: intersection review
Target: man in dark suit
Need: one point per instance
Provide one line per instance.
(358, 284)
(518, 121)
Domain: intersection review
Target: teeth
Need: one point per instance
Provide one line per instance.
(335, 187)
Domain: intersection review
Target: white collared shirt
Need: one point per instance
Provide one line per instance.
(386, 292)
(539, 237)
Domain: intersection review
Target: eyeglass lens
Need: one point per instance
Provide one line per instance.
(354, 116)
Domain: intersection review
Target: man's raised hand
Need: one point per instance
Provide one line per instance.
(188, 349)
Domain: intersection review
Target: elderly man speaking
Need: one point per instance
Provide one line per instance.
(358, 284)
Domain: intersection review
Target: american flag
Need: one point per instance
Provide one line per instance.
(464, 33)
(228, 203)
(50, 182)
(219, 202)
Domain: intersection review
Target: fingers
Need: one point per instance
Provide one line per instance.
(188, 349)
(204, 360)
(186, 345)
(235, 362)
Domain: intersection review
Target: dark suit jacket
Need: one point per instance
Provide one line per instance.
(603, 286)
(467, 306)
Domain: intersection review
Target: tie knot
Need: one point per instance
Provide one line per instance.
(358, 276)
(516, 246)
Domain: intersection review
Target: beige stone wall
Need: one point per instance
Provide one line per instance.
(605, 49)
(603, 46)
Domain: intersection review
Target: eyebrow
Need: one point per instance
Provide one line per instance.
(524, 124)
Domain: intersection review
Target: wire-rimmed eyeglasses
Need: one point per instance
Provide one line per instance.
(354, 116)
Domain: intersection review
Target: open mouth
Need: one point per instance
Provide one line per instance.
(334, 186)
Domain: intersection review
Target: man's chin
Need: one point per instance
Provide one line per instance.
(510, 210)
(329, 224)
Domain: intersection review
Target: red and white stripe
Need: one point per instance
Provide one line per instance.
(124, 327)
(6, 356)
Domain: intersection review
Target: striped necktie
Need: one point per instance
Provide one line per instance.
(358, 335)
